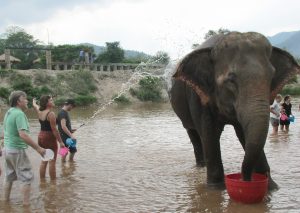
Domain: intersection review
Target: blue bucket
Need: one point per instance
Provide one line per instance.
(292, 118)
(71, 143)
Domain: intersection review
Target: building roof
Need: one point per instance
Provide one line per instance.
(12, 58)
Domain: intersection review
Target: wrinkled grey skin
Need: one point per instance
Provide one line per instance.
(230, 79)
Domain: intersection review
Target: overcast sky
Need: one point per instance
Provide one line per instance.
(146, 25)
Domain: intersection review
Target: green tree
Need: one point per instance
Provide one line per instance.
(161, 57)
(149, 89)
(113, 53)
(16, 37)
(69, 53)
(211, 33)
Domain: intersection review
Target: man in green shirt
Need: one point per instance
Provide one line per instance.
(16, 141)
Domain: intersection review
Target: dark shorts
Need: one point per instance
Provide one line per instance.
(286, 122)
(71, 149)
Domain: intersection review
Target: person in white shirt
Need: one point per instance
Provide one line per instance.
(275, 113)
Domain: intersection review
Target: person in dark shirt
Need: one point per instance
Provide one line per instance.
(65, 128)
(287, 108)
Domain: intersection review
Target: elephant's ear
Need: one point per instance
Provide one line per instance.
(285, 68)
(196, 70)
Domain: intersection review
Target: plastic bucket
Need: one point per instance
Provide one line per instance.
(49, 155)
(246, 191)
(71, 143)
(63, 151)
(292, 118)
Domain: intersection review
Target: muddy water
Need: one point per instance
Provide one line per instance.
(139, 159)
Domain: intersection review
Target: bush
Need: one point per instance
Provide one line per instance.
(149, 89)
(122, 99)
(291, 90)
(83, 100)
(4, 93)
(25, 86)
(42, 78)
(44, 90)
(5, 73)
(80, 82)
(80, 100)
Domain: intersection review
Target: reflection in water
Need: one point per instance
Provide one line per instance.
(139, 159)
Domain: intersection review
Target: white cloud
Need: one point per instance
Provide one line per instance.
(153, 25)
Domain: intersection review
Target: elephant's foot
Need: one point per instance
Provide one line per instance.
(216, 182)
(272, 185)
(216, 185)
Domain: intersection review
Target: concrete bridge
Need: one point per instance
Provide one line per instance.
(84, 65)
(101, 67)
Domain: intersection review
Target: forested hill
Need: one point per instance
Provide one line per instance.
(127, 53)
(289, 41)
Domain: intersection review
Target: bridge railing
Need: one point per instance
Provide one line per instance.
(84, 65)
(101, 67)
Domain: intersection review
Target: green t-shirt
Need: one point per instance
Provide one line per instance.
(15, 120)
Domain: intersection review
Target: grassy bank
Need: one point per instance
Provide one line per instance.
(86, 87)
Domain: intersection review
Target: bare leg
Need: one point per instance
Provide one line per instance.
(281, 127)
(275, 130)
(52, 169)
(63, 158)
(43, 168)
(7, 190)
(287, 128)
(71, 156)
(26, 194)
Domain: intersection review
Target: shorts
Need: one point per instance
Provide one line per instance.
(285, 122)
(17, 166)
(274, 122)
(71, 149)
(47, 140)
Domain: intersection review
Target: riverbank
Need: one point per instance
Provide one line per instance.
(89, 87)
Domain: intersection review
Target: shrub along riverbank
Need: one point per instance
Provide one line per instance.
(88, 87)
(85, 87)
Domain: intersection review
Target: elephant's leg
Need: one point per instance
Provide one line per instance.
(196, 141)
(240, 135)
(262, 165)
(212, 152)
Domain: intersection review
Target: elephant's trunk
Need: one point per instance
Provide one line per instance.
(255, 123)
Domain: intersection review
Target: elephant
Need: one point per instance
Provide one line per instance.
(230, 79)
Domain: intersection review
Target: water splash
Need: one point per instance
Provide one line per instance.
(139, 72)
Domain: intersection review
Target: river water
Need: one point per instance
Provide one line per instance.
(139, 159)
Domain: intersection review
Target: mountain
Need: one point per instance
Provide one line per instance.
(289, 41)
(127, 53)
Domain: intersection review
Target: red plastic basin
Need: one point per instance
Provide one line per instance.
(246, 191)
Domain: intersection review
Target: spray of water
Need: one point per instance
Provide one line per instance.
(141, 71)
